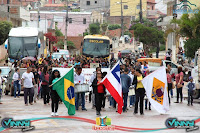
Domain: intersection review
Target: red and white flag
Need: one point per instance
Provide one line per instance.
(112, 82)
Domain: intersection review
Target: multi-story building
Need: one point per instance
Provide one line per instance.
(91, 5)
(78, 21)
(129, 7)
(14, 12)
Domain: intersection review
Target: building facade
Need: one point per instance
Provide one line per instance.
(129, 8)
(91, 5)
(78, 21)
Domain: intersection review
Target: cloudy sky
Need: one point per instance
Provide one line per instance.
(161, 6)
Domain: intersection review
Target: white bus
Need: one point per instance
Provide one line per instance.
(22, 42)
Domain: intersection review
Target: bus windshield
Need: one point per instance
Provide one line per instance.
(20, 47)
(96, 47)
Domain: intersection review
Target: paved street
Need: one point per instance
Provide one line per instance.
(83, 121)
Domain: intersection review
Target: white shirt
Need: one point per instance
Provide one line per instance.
(28, 79)
(131, 76)
(16, 76)
(79, 78)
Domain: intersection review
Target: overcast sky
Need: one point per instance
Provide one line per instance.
(161, 6)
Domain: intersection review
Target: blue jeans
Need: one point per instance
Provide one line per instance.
(146, 101)
(82, 100)
(132, 99)
(125, 97)
(17, 86)
(110, 98)
(171, 92)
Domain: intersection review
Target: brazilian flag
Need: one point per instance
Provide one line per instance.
(65, 89)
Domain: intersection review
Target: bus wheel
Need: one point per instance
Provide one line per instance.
(196, 94)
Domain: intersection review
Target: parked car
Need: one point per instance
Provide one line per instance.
(126, 53)
(9, 84)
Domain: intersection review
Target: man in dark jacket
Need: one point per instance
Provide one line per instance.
(126, 82)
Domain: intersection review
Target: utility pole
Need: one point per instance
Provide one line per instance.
(141, 21)
(122, 24)
(66, 25)
(38, 10)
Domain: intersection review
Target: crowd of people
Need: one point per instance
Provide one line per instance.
(37, 80)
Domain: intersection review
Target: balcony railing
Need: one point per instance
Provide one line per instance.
(152, 12)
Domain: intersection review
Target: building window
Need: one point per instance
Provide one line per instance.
(97, 21)
(87, 3)
(125, 6)
(152, 7)
(70, 20)
(84, 20)
(95, 2)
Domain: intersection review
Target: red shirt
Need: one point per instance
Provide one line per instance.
(100, 88)
(46, 77)
(178, 77)
(169, 78)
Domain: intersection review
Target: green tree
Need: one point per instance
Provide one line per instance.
(58, 32)
(5, 28)
(104, 27)
(114, 26)
(149, 36)
(189, 27)
(94, 28)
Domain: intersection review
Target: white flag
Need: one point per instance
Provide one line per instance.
(155, 85)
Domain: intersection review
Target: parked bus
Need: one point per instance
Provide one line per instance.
(22, 42)
(96, 46)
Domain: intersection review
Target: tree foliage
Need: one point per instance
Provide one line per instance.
(189, 27)
(58, 32)
(52, 39)
(114, 26)
(94, 28)
(5, 28)
(150, 36)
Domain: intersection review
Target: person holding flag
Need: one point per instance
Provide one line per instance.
(155, 85)
(139, 92)
(112, 81)
(64, 87)
(54, 95)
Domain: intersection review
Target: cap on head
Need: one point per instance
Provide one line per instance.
(190, 77)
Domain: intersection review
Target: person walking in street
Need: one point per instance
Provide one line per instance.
(1, 89)
(92, 95)
(179, 84)
(16, 81)
(45, 86)
(139, 91)
(120, 57)
(126, 83)
(36, 78)
(169, 67)
(27, 85)
(99, 91)
(132, 88)
(169, 83)
(54, 95)
(191, 87)
(79, 80)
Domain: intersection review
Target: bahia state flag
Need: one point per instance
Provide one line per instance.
(155, 85)
(65, 89)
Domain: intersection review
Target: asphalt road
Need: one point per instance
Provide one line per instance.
(83, 121)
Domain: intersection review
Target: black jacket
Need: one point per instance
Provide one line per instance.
(94, 86)
(135, 81)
